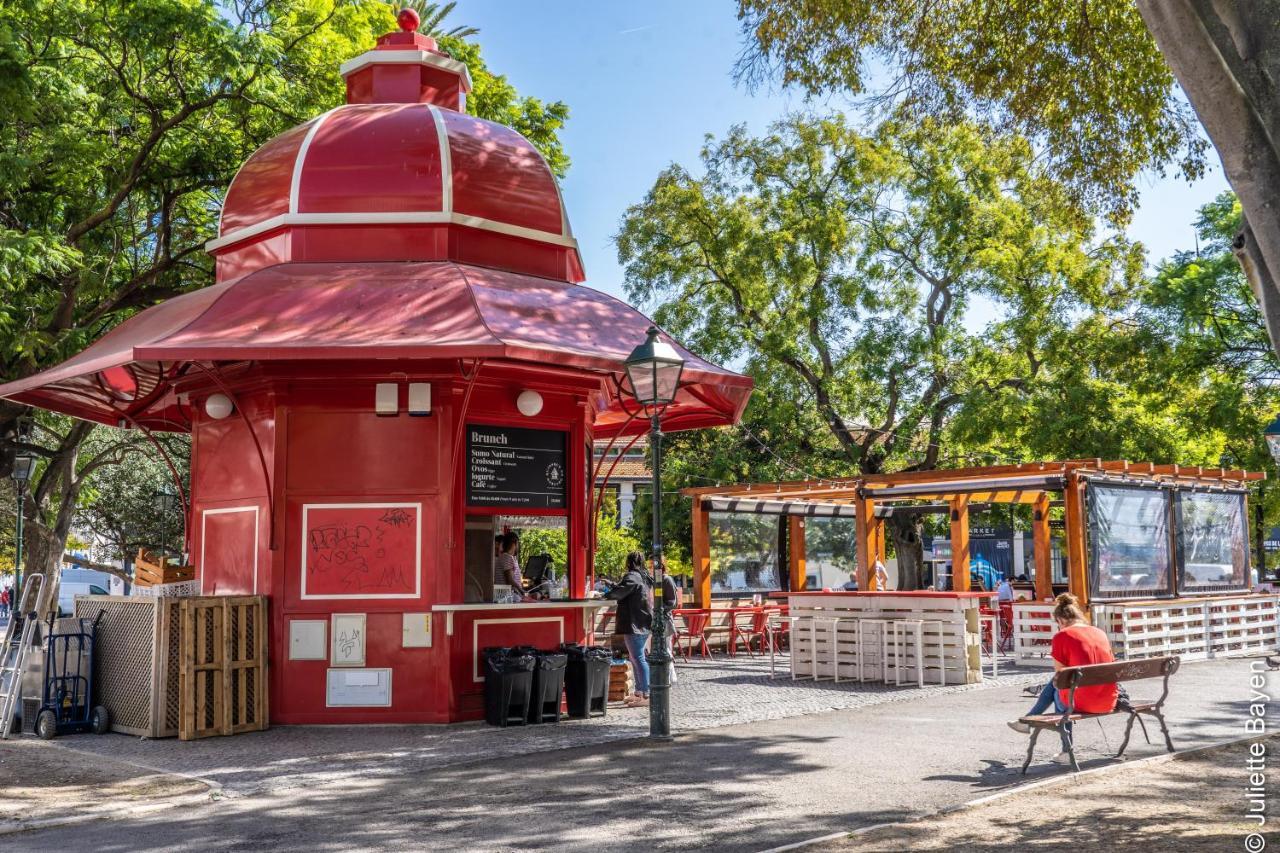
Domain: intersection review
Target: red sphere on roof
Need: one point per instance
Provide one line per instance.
(399, 172)
(408, 20)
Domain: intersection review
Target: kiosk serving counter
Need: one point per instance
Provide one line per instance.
(396, 354)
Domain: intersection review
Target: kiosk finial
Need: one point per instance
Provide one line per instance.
(408, 20)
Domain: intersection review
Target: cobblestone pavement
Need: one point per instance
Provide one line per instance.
(708, 694)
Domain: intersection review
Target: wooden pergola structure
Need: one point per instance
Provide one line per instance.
(868, 499)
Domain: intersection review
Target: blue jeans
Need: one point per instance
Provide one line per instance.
(639, 666)
(1049, 696)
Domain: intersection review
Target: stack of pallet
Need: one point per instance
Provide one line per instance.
(151, 569)
(621, 684)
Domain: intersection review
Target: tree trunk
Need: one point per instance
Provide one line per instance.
(1226, 56)
(905, 529)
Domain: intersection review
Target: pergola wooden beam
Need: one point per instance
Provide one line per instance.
(701, 554)
(795, 553)
(960, 581)
(1041, 546)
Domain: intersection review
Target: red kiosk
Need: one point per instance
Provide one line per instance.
(395, 363)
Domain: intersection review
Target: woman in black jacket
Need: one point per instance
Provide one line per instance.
(634, 594)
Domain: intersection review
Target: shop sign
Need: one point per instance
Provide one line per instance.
(511, 466)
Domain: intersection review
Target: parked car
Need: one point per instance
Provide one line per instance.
(70, 589)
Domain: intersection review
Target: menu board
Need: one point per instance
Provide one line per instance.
(510, 466)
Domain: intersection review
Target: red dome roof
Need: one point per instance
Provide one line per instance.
(396, 174)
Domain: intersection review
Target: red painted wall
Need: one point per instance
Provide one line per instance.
(324, 446)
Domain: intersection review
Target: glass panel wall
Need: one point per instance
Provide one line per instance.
(744, 553)
(830, 552)
(1213, 552)
(1129, 542)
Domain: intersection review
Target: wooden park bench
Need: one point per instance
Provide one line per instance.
(1075, 677)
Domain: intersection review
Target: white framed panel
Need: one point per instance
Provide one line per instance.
(363, 596)
(357, 688)
(308, 639)
(204, 518)
(347, 646)
(476, 675)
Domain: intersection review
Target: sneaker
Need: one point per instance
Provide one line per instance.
(1020, 727)
(1062, 758)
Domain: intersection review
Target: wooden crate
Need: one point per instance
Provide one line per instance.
(621, 682)
(223, 672)
(152, 570)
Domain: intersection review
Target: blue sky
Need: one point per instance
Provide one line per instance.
(646, 81)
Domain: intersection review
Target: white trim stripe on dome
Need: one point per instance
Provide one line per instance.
(428, 217)
(446, 163)
(301, 157)
(407, 57)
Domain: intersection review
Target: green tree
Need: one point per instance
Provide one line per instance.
(121, 125)
(1093, 83)
(844, 264)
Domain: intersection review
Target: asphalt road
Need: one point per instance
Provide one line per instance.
(750, 787)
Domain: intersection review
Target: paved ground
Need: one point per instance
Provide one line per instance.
(746, 787)
(709, 694)
(42, 782)
(1191, 805)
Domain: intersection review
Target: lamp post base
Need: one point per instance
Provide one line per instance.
(659, 692)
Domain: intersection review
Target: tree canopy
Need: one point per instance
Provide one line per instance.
(1092, 83)
(844, 265)
(121, 125)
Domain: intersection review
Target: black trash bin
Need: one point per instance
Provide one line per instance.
(586, 680)
(508, 679)
(548, 686)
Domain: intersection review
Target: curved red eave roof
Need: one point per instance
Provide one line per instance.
(364, 311)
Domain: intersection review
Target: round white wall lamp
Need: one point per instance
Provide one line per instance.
(529, 403)
(218, 406)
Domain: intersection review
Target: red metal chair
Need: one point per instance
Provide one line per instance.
(779, 626)
(985, 611)
(691, 630)
(1006, 626)
(756, 625)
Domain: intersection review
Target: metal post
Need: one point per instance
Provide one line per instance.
(659, 660)
(17, 555)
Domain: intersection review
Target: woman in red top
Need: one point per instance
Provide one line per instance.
(1077, 643)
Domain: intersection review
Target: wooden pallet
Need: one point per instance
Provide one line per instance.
(223, 673)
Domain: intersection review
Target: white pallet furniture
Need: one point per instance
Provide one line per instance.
(1033, 629)
(1193, 628)
(951, 651)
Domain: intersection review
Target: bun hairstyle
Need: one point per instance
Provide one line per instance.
(1066, 608)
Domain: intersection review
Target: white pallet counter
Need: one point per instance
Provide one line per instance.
(1195, 628)
(952, 644)
(1033, 628)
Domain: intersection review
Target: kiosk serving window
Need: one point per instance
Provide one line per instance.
(1212, 552)
(1129, 542)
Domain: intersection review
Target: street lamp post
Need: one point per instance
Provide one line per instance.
(166, 500)
(24, 465)
(654, 368)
